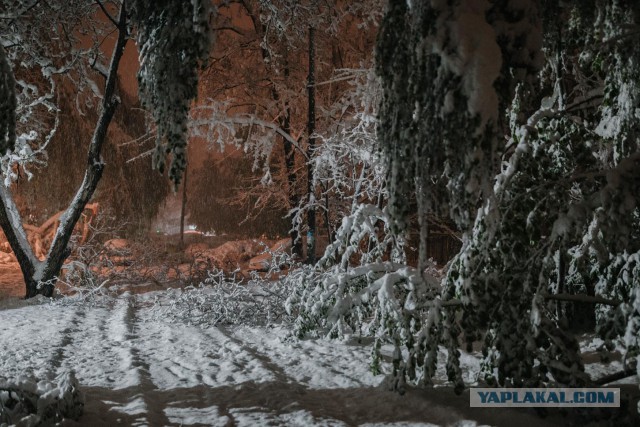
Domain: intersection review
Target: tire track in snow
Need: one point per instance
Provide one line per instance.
(104, 354)
(99, 353)
(154, 416)
(314, 363)
(279, 373)
(50, 327)
(181, 355)
(57, 357)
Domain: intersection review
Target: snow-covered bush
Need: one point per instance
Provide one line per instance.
(510, 262)
(364, 234)
(27, 401)
(393, 303)
(620, 281)
(362, 286)
(86, 286)
(93, 266)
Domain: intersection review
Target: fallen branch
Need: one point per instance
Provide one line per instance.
(40, 237)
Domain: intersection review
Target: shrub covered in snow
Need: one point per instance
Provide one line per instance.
(393, 303)
(27, 401)
(362, 286)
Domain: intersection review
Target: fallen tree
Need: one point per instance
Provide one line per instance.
(40, 238)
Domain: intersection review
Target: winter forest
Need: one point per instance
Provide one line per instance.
(317, 212)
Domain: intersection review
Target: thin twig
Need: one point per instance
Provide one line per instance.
(108, 15)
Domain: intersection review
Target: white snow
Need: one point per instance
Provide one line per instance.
(138, 369)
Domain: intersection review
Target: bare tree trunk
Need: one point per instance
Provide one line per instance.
(40, 276)
(183, 208)
(327, 217)
(311, 128)
(290, 161)
(17, 237)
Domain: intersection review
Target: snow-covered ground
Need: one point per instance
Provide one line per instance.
(136, 369)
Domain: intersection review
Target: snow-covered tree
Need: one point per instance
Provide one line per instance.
(29, 49)
(257, 80)
(518, 120)
(557, 214)
(563, 210)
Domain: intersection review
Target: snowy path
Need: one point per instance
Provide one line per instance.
(139, 371)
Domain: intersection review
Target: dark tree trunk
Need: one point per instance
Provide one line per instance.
(183, 207)
(327, 218)
(40, 276)
(17, 239)
(311, 128)
(285, 124)
(290, 165)
(290, 162)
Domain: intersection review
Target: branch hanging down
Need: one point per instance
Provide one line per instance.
(174, 40)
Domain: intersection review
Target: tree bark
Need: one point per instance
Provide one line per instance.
(17, 237)
(289, 161)
(40, 276)
(311, 128)
(183, 208)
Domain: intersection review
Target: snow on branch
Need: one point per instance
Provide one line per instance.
(368, 227)
(47, 59)
(225, 299)
(212, 123)
(174, 42)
